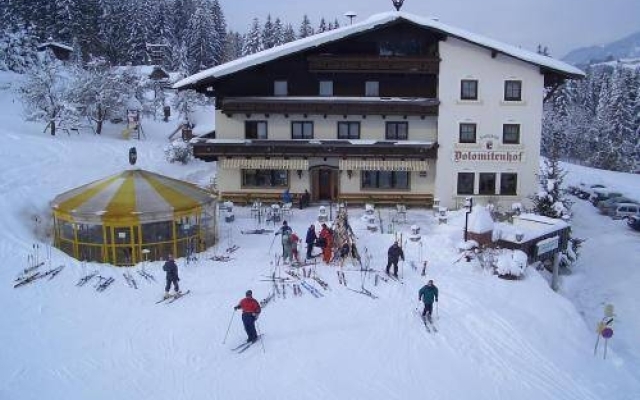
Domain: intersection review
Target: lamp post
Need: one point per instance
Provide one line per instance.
(468, 204)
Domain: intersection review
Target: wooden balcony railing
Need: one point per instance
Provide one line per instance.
(366, 64)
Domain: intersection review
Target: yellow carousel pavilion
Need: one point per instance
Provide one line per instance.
(134, 216)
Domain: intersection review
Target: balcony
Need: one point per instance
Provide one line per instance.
(374, 64)
(213, 149)
(331, 105)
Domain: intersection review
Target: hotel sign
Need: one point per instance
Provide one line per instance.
(547, 245)
(492, 156)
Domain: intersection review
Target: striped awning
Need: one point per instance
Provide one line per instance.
(131, 196)
(383, 165)
(262, 163)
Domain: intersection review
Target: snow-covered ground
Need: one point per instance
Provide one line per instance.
(497, 339)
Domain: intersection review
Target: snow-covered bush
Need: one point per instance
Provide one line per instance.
(178, 151)
(511, 263)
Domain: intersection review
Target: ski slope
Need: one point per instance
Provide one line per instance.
(497, 339)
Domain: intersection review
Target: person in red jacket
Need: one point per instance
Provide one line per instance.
(327, 240)
(250, 312)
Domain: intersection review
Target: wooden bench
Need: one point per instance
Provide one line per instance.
(388, 199)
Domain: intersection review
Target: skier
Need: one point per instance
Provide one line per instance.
(427, 295)
(171, 268)
(326, 239)
(393, 255)
(345, 250)
(285, 230)
(294, 239)
(311, 240)
(250, 312)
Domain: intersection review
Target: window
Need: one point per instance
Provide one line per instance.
(487, 183)
(348, 130)
(469, 89)
(511, 134)
(467, 133)
(326, 88)
(255, 129)
(508, 184)
(302, 130)
(372, 88)
(265, 178)
(397, 131)
(280, 88)
(466, 182)
(385, 179)
(512, 90)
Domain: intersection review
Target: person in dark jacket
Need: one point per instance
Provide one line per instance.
(428, 294)
(311, 240)
(393, 256)
(250, 311)
(171, 268)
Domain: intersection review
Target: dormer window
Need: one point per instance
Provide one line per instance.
(372, 89)
(326, 88)
(280, 88)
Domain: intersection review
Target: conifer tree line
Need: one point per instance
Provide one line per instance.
(596, 121)
(118, 31)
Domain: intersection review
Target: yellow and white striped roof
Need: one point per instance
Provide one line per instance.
(132, 196)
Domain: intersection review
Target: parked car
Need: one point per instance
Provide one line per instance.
(600, 194)
(605, 206)
(584, 191)
(625, 211)
(634, 223)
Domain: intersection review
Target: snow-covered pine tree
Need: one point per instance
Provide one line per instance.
(306, 29)
(322, 27)
(288, 35)
(233, 46)
(220, 27)
(253, 39)
(268, 34)
(200, 40)
(278, 32)
(550, 200)
(17, 49)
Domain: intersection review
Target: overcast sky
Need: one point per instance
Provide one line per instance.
(561, 25)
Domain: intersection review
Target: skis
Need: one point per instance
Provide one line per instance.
(147, 276)
(84, 280)
(427, 322)
(257, 231)
(178, 296)
(27, 279)
(103, 283)
(342, 279)
(364, 292)
(130, 281)
(37, 275)
(314, 292)
(232, 248)
(173, 297)
(245, 346)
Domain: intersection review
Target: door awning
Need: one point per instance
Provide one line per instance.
(262, 163)
(383, 165)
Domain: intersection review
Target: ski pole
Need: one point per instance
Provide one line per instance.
(259, 334)
(437, 312)
(229, 327)
(272, 241)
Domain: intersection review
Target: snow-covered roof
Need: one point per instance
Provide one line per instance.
(369, 24)
(55, 44)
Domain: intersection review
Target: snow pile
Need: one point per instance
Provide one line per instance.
(511, 263)
(480, 220)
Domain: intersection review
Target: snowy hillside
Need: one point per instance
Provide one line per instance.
(496, 339)
(627, 47)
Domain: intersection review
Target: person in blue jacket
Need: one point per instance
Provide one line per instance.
(428, 294)
(311, 240)
(286, 197)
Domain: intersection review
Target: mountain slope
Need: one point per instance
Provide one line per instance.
(628, 47)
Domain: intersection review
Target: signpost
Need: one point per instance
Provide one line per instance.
(605, 329)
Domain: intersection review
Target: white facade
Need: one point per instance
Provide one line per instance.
(465, 61)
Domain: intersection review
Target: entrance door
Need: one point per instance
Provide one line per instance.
(325, 184)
